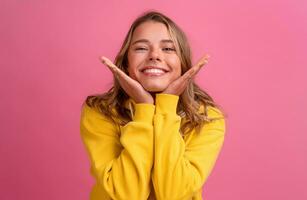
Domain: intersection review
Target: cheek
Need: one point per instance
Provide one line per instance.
(136, 58)
(176, 66)
(132, 66)
(130, 72)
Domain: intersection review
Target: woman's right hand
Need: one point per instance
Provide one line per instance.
(133, 88)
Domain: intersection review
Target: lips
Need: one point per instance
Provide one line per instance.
(153, 71)
(153, 67)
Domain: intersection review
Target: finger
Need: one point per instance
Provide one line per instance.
(190, 73)
(108, 63)
(116, 71)
(186, 78)
(203, 61)
(196, 68)
(121, 76)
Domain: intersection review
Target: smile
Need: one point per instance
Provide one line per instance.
(153, 72)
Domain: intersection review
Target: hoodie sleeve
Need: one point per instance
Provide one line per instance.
(181, 169)
(121, 163)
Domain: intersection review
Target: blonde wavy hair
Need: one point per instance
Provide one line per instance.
(189, 101)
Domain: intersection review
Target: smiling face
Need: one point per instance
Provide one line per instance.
(152, 58)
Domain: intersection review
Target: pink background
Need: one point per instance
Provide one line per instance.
(257, 72)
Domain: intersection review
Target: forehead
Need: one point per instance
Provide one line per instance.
(153, 31)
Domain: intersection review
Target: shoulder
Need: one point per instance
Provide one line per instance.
(212, 112)
(94, 124)
(215, 116)
(89, 111)
(92, 115)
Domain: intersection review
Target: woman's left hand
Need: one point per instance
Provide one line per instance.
(179, 85)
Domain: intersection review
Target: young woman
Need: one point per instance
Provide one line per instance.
(155, 134)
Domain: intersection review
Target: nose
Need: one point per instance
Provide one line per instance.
(154, 55)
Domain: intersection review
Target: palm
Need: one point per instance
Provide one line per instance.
(179, 85)
(133, 88)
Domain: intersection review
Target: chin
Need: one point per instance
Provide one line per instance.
(154, 88)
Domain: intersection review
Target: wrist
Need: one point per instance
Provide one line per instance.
(145, 101)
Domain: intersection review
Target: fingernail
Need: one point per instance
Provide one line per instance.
(103, 60)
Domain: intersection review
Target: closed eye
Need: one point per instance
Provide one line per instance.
(140, 48)
(169, 49)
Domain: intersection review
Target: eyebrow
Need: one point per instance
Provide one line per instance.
(147, 41)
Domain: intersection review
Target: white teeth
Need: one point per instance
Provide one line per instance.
(154, 71)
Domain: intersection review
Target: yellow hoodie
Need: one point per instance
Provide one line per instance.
(148, 158)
